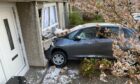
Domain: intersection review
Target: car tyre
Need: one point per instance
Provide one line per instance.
(59, 59)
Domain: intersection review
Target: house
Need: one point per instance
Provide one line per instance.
(23, 26)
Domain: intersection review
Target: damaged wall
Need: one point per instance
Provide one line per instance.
(29, 20)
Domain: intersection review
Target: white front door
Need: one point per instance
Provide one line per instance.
(11, 55)
(2, 76)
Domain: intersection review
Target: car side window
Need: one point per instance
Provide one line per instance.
(72, 34)
(107, 32)
(87, 33)
(127, 33)
(114, 30)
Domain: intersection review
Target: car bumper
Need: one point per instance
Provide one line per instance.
(48, 53)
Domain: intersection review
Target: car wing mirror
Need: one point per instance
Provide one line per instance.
(77, 38)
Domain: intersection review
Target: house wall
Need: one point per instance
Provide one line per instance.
(66, 14)
(29, 20)
(61, 16)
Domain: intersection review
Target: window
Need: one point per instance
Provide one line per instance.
(108, 32)
(46, 20)
(72, 34)
(87, 33)
(127, 33)
(9, 33)
(52, 15)
(49, 18)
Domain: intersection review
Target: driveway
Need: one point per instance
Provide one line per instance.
(70, 75)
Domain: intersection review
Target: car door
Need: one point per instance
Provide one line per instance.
(82, 43)
(103, 46)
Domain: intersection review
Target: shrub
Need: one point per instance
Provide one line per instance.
(105, 64)
(88, 67)
(93, 18)
(98, 18)
(75, 19)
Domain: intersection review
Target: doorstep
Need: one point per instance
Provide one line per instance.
(35, 75)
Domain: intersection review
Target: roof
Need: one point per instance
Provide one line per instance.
(93, 24)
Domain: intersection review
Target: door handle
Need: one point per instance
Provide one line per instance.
(14, 57)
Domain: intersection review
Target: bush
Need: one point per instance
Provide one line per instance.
(98, 18)
(105, 64)
(93, 18)
(88, 67)
(75, 19)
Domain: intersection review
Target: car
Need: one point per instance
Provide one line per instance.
(137, 18)
(82, 42)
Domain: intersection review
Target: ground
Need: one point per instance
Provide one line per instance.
(35, 75)
(70, 75)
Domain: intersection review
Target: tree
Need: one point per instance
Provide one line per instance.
(86, 7)
(118, 11)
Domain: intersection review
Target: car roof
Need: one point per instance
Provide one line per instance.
(92, 25)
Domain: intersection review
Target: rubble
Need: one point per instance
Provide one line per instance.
(60, 75)
(128, 82)
(103, 76)
(64, 79)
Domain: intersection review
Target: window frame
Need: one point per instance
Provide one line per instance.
(49, 5)
(111, 28)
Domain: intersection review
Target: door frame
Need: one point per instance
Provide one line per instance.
(17, 24)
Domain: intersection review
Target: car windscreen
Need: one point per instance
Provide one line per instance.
(71, 34)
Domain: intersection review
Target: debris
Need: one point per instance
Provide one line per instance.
(76, 72)
(128, 82)
(64, 79)
(60, 76)
(52, 75)
(73, 74)
(103, 76)
(65, 68)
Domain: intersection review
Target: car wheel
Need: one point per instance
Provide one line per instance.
(59, 59)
